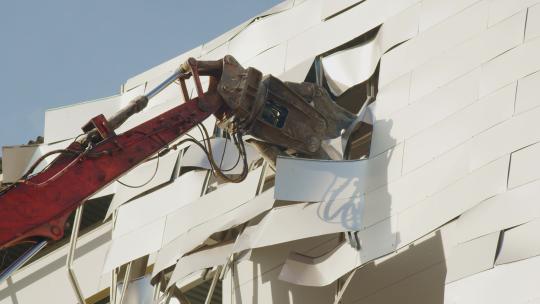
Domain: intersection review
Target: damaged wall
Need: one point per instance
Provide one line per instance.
(442, 208)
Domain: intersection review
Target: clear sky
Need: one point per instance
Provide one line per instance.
(59, 52)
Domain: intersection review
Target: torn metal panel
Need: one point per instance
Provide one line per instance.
(41, 150)
(525, 166)
(225, 154)
(454, 200)
(316, 219)
(407, 122)
(465, 57)
(528, 92)
(431, 43)
(66, 122)
(338, 31)
(158, 204)
(472, 257)
(298, 73)
(306, 180)
(459, 127)
(270, 31)
(16, 159)
(199, 260)
(210, 205)
(146, 176)
(512, 208)
(520, 243)
(502, 9)
(355, 65)
(187, 241)
(134, 244)
(511, 283)
(391, 98)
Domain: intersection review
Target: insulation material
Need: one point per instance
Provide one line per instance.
(454, 200)
(338, 31)
(512, 208)
(355, 65)
(16, 160)
(199, 260)
(158, 204)
(458, 128)
(431, 43)
(520, 243)
(465, 57)
(306, 180)
(225, 154)
(185, 242)
(66, 122)
(512, 283)
(525, 166)
(145, 176)
(518, 132)
(270, 31)
(528, 92)
(533, 22)
(426, 112)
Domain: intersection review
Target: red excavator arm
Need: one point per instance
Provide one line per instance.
(38, 206)
(284, 116)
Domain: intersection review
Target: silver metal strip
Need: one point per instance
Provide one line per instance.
(71, 254)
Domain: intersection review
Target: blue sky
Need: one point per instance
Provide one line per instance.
(59, 52)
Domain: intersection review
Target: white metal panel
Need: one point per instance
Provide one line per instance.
(525, 166)
(511, 208)
(520, 243)
(144, 177)
(528, 92)
(209, 206)
(16, 160)
(533, 23)
(518, 132)
(355, 65)
(514, 64)
(426, 112)
(459, 127)
(225, 154)
(299, 72)
(271, 61)
(320, 271)
(66, 122)
(511, 283)
(471, 257)
(185, 242)
(436, 11)
(391, 98)
(333, 7)
(270, 31)
(134, 244)
(307, 180)
(338, 30)
(199, 260)
(457, 198)
(417, 185)
(42, 150)
(502, 9)
(158, 204)
(467, 56)
(433, 42)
